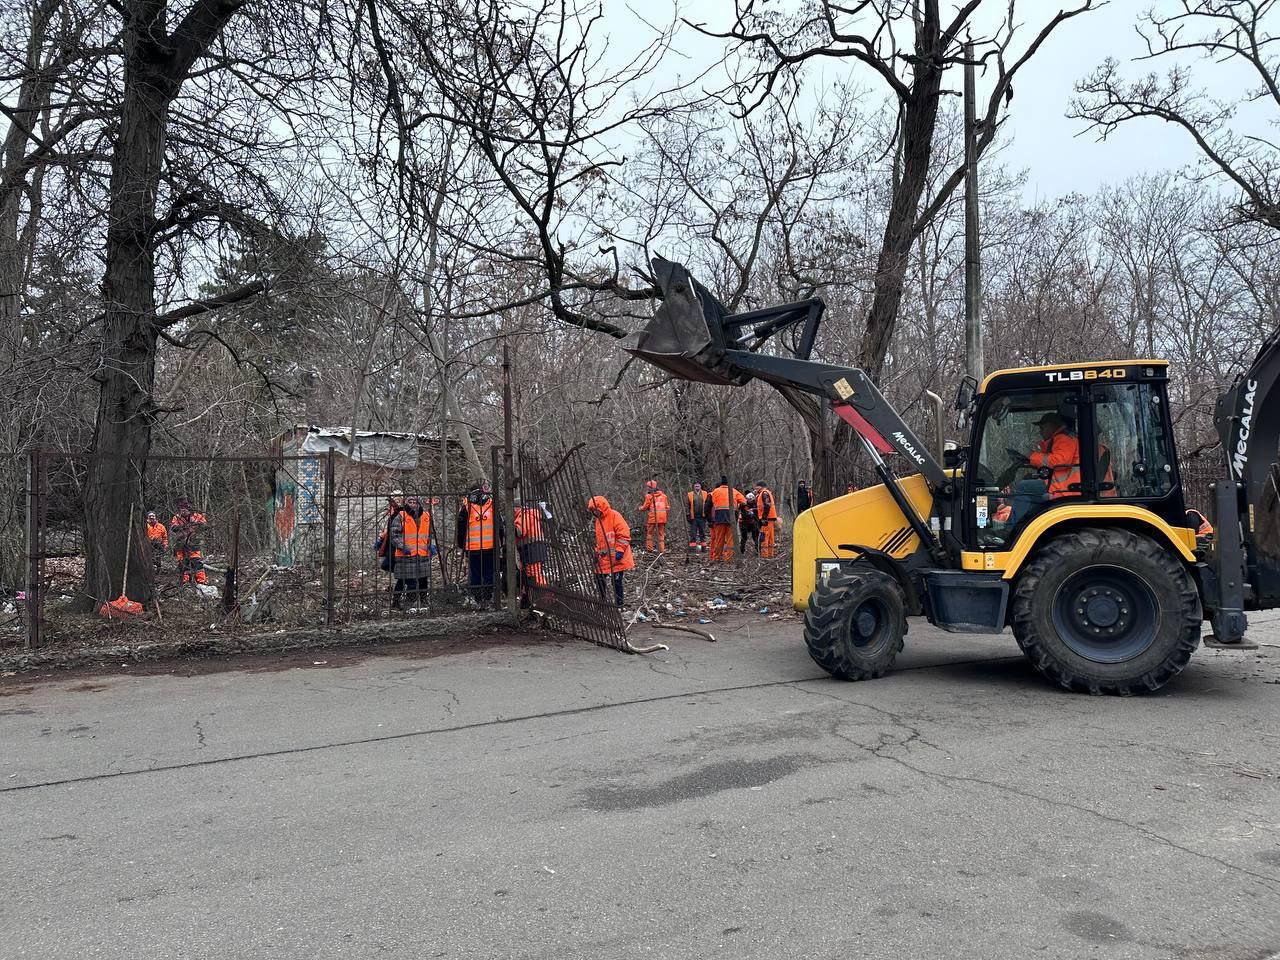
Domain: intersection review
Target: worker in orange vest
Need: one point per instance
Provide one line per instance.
(476, 534)
(613, 547)
(655, 508)
(724, 504)
(185, 528)
(158, 537)
(410, 541)
(1198, 522)
(531, 544)
(767, 512)
(698, 515)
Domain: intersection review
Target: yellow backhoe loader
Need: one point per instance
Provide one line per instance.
(1061, 515)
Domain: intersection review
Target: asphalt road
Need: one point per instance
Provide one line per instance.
(552, 799)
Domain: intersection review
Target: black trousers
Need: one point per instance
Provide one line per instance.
(602, 580)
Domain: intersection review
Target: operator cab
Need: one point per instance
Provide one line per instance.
(1044, 438)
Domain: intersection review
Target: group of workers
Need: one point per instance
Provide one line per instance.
(710, 515)
(183, 532)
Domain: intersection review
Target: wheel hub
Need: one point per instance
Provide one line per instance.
(1106, 614)
(864, 622)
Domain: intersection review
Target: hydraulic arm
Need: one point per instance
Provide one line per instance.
(693, 336)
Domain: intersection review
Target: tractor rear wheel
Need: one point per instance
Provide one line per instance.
(855, 624)
(1106, 611)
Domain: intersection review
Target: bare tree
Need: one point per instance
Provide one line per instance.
(1235, 33)
(912, 72)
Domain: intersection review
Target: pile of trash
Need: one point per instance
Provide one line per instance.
(673, 592)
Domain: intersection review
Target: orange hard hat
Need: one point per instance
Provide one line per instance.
(652, 484)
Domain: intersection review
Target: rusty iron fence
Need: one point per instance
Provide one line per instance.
(285, 541)
(566, 590)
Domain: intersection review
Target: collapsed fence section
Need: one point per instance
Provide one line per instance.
(565, 587)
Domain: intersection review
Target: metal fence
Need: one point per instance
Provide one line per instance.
(274, 542)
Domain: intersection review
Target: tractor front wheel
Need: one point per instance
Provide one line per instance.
(1106, 611)
(855, 624)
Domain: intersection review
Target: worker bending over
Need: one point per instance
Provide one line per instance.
(698, 515)
(724, 503)
(613, 548)
(655, 508)
(767, 513)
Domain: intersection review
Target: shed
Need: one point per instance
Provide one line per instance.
(367, 468)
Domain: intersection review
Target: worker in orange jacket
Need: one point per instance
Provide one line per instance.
(724, 504)
(767, 513)
(1198, 522)
(158, 537)
(531, 544)
(655, 508)
(613, 547)
(185, 528)
(698, 514)
(477, 533)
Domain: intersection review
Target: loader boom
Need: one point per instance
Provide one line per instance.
(693, 336)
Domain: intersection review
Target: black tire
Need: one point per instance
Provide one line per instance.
(1106, 612)
(855, 624)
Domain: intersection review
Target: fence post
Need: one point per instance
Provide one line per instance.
(35, 555)
(330, 535)
(498, 507)
(509, 485)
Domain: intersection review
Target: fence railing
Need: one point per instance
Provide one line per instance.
(268, 542)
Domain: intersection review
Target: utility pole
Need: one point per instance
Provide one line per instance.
(973, 358)
(509, 483)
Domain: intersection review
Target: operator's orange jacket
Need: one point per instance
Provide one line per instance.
(724, 503)
(1061, 454)
(613, 536)
(655, 506)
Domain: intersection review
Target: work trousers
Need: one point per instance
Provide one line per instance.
(767, 533)
(602, 581)
(698, 533)
(721, 542)
(480, 573)
(655, 532)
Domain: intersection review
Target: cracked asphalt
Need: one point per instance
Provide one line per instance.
(543, 798)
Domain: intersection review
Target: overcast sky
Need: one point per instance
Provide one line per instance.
(1058, 154)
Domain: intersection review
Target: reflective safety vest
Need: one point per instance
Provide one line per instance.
(698, 509)
(766, 509)
(1061, 454)
(528, 525)
(480, 526)
(157, 533)
(723, 504)
(417, 535)
(656, 506)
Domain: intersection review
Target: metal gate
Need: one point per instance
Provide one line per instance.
(565, 591)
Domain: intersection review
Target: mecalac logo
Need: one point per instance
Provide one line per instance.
(1240, 456)
(906, 446)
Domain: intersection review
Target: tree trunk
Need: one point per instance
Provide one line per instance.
(32, 101)
(919, 120)
(122, 433)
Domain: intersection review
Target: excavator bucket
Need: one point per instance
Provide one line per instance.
(686, 336)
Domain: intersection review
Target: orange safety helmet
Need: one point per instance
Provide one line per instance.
(652, 484)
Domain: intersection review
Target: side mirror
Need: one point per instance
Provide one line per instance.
(965, 394)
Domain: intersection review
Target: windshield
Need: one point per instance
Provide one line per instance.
(1028, 457)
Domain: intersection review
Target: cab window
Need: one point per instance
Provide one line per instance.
(1028, 458)
(1134, 458)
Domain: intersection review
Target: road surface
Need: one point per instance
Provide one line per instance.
(544, 798)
